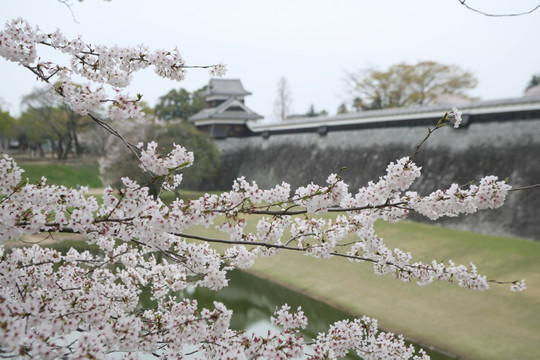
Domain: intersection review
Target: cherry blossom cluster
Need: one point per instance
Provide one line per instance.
(98, 64)
(318, 199)
(285, 319)
(489, 194)
(11, 174)
(218, 70)
(455, 114)
(243, 190)
(96, 296)
(362, 335)
(84, 309)
(87, 305)
(399, 176)
(89, 291)
(30, 208)
(153, 161)
(518, 286)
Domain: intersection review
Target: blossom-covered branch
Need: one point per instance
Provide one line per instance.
(83, 304)
(98, 65)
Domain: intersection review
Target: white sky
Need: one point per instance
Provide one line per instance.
(309, 42)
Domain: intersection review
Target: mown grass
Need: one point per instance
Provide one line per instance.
(497, 324)
(70, 175)
(168, 196)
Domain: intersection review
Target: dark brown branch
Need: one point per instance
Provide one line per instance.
(535, 186)
(399, 269)
(440, 124)
(285, 212)
(23, 297)
(503, 282)
(9, 196)
(336, 209)
(68, 289)
(274, 246)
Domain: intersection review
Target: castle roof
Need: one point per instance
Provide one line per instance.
(225, 87)
(402, 116)
(232, 110)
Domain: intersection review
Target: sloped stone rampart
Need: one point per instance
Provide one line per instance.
(508, 149)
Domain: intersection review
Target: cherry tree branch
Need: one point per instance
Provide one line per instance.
(530, 187)
(68, 5)
(462, 2)
(133, 148)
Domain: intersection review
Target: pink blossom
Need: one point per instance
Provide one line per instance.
(46, 296)
(456, 114)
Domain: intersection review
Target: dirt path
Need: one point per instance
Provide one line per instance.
(95, 191)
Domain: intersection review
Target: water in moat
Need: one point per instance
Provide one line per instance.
(254, 300)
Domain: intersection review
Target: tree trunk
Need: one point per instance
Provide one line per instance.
(59, 149)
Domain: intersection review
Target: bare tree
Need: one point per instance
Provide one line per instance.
(282, 104)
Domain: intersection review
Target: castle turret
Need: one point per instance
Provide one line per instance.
(226, 114)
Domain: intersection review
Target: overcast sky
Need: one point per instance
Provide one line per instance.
(311, 43)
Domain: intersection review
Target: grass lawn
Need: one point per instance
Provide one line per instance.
(497, 324)
(70, 175)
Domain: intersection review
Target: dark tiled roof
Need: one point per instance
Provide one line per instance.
(479, 111)
(477, 107)
(221, 112)
(229, 87)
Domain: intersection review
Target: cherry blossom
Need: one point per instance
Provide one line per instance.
(86, 305)
(101, 65)
(456, 114)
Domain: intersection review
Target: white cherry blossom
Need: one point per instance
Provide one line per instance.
(145, 245)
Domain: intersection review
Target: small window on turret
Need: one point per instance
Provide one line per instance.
(234, 108)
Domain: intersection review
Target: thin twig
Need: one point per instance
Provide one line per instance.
(535, 186)
(70, 10)
(498, 15)
(440, 124)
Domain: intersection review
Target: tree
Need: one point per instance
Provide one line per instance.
(149, 249)
(35, 134)
(7, 128)
(180, 104)
(118, 163)
(282, 103)
(407, 85)
(46, 119)
(357, 104)
(342, 109)
(312, 113)
(533, 87)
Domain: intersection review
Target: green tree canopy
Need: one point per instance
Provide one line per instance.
(312, 113)
(45, 119)
(200, 176)
(535, 81)
(180, 104)
(342, 109)
(7, 124)
(406, 85)
(7, 128)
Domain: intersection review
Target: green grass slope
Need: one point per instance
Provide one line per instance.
(70, 175)
(497, 324)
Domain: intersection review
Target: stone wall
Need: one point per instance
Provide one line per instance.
(507, 149)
